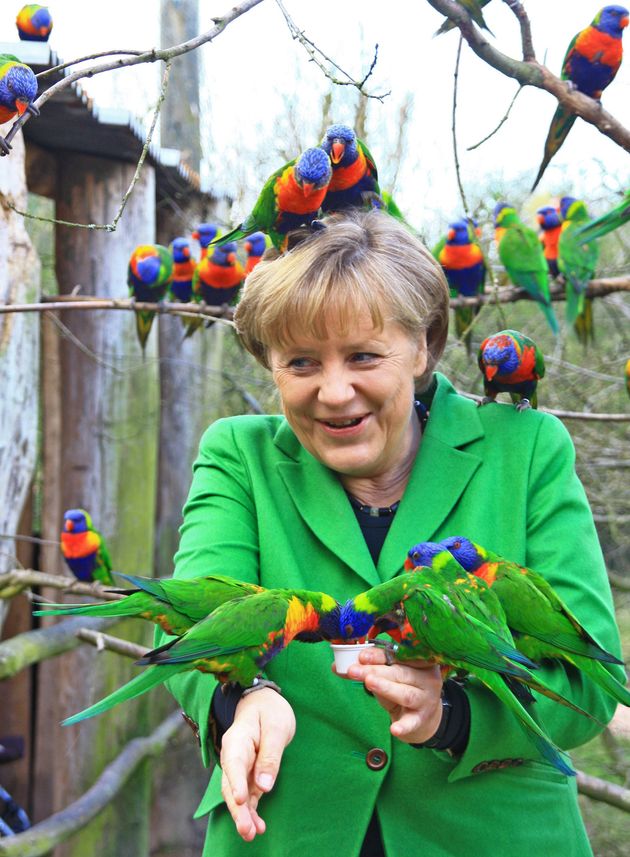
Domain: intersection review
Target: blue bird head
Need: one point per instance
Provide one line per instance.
(463, 551)
(225, 255)
(148, 268)
(421, 555)
(76, 521)
(340, 142)
(458, 233)
(498, 208)
(565, 204)
(345, 622)
(255, 244)
(499, 355)
(41, 18)
(548, 217)
(612, 20)
(313, 170)
(181, 249)
(18, 88)
(205, 233)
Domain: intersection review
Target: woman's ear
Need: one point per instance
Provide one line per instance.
(421, 359)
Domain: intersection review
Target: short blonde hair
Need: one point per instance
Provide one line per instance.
(360, 260)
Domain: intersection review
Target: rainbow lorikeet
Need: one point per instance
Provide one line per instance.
(149, 274)
(291, 197)
(84, 550)
(216, 281)
(543, 625)
(523, 258)
(591, 62)
(613, 219)
(205, 233)
(431, 625)
(184, 266)
(255, 246)
(175, 605)
(18, 90)
(235, 642)
(463, 262)
(34, 23)
(511, 362)
(473, 7)
(577, 260)
(550, 228)
(354, 182)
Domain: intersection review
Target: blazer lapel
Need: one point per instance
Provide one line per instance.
(440, 474)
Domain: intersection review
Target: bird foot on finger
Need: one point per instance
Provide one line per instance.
(389, 650)
(5, 147)
(523, 405)
(487, 400)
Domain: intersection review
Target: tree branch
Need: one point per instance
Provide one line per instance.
(15, 581)
(42, 837)
(601, 790)
(454, 127)
(526, 29)
(55, 68)
(501, 123)
(566, 415)
(113, 644)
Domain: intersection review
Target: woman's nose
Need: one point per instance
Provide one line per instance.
(335, 388)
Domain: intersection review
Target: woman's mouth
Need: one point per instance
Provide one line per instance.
(342, 424)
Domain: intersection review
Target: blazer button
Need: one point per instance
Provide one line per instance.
(376, 759)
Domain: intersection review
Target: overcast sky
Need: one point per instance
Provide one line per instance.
(254, 66)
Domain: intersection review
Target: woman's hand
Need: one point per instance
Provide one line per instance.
(410, 692)
(251, 751)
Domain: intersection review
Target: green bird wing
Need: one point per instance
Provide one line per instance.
(613, 219)
(103, 566)
(371, 162)
(577, 259)
(5, 58)
(441, 244)
(474, 8)
(566, 68)
(200, 596)
(166, 267)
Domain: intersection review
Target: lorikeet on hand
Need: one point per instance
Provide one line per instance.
(34, 23)
(254, 247)
(84, 550)
(235, 642)
(465, 268)
(290, 198)
(577, 260)
(590, 63)
(148, 276)
(550, 227)
(205, 234)
(183, 270)
(511, 362)
(18, 90)
(354, 182)
(543, 625)
(613, 219)
(175, 605)
(522, 257)
(473, 7)
(429, 625)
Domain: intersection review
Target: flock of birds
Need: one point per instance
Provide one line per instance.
(471, 611)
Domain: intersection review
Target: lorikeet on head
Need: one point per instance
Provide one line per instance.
(543, 625)
(511, 362)
(577, 260)
(522, 257)
(290, 198)
(84, 550)
(613, 219)
(354, 182)
(34, 23)
(550, 226)
(465, 268)
(235, 642)
(205, 233)
(183, 270)
(175, 605)
(473, 7)
(18, 90)
(148, 276)
(255, 246)
(590, 63)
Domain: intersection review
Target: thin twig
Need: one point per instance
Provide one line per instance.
(15, 581)
(34, 540)
(526, 29)
(502, 122)
(112, 644)
(61, 66)
(314, 53)
(454, 126)
(69, 335)
(598, 789)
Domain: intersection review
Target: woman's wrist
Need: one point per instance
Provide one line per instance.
(454, 727)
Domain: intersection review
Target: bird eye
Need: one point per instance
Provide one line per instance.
(457, 545)
(415, 556)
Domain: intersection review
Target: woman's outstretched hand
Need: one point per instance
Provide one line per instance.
(251, 751)
(410, 692)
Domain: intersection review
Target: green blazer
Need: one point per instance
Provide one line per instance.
(261, 508)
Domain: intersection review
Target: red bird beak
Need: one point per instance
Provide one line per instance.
(195, 235)
(307, 188)
(624, 22)
(337, 150)
(69, 526)
(408, 566)
(540, 219)
(21, 106)
(248, 246)
(451, 234)
(491, 371)
(231, 257)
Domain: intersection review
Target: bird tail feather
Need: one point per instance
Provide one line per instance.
(110, 608)
(561, 124)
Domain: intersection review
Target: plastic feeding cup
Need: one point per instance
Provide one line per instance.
(346, 654)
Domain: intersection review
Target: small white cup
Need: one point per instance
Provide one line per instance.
(346, 654)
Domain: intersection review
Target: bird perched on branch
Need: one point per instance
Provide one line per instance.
(511, 362)
(473, 7)
(173, 604)
(590, 64)
(290, 198)
(354, 182)
(255, 246)
(235, 642)
(216, 281)
(149, 275)
(550, 228)
(34, 23)
(577, 259)
(522, 257)
(18, 90)
(84, 550)
(205, 233)
(463, 262)
(183, 270)
(613, 219)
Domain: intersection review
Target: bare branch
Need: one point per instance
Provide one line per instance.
(454, 127)
(14, 581)
(61, 66)
(526, 29)
(501, 123)
(619, 582)
(43, 837)
(112, 644)
(567, 415)
(602, 790)
(595, 289)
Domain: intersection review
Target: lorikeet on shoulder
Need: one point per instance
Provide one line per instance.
(148, 276)
(511, 362)
(550, 228)
(84, 550)
(290, 198)
(205, 234)
(18, 90)
(577, 260)
(613, 219)
(34, 23)
(590, 63)
(354, 182)
(463, 262)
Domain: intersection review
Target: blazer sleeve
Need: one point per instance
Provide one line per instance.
(562, 545)
(219, 535)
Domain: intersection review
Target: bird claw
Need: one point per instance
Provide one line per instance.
(5, 147)
(389, 650)
(487, 400)
(523, 405)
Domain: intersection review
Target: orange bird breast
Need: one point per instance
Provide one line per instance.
(290, 197)
(459, 256)
(78, 545)
(599, 47)
(220, 276)
(550, 238)
(345, 177)
(487, 572)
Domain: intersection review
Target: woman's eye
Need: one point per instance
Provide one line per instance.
(364, 356)
(299, 363)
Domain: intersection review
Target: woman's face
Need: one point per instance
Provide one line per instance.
(349, 397)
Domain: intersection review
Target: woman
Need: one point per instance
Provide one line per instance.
(331, 496)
